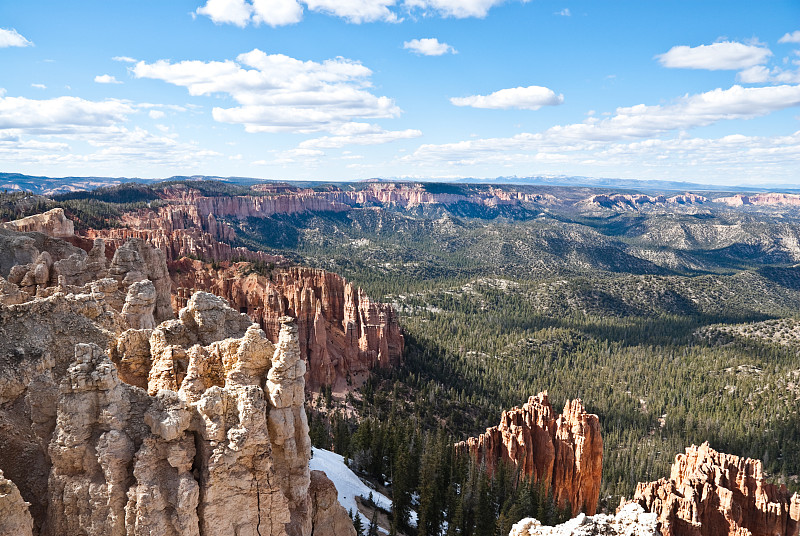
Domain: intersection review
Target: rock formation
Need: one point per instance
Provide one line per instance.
(343, 334)
(710, 493)
(220, 447)
(220, 444)
(565, 451)
(14, 516)
(631, 520)
(52, 223)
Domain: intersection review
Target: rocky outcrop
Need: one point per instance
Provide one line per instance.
(328, 518)
(343, 333)
(564, 451)
(710, 493)
(52, 223)
(631, 520)
(223, 449)
(638, 201)
(14, 516)
(765, 199)
(136, 260)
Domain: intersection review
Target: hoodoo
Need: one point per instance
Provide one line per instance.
(710, 493)
(565, 451)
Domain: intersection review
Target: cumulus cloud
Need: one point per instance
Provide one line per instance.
(627, 123)
(726, 55)
(359, 134)
(525, 98)
(277, 93)
(355, 11)
(459, 9)
(155, 114)
(283, 12)
(61, 114)
(760, 74)
(39, 86)
(428, 47)
(12, 38)
(793, 37)
(124, 59)
(564, 12)
(106, 79)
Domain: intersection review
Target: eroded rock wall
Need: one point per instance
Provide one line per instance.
(710, 493)
(343, 333)
(565, 451)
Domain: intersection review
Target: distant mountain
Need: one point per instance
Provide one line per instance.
(56, 185)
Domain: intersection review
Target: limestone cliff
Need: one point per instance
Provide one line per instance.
(53, 223)
(219, 446)
(631, 520)
(564, 451)
(343, 333)
(710, 493)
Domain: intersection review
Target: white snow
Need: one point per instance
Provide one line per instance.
(348, 485)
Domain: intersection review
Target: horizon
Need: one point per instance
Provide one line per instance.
(435, 90)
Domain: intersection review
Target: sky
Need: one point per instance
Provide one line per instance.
(700, 91)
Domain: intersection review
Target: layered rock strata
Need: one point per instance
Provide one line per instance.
(52, 223)
(564, 451)
(220, 447)
(631, 520)
(343, 333)
(710, 493)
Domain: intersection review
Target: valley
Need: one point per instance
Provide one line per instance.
(424, 311)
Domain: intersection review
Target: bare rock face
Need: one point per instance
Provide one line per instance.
(81, 268)
(14, 515)
(343, 334)
(140, 303)
(137, 260)
(565, 451)
(53, 223)
(225, 453)
(631, 520)
(328, 517)
(710, 493)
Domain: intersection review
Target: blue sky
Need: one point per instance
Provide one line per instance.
(351, 89)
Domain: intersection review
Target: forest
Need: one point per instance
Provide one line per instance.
(658, 321)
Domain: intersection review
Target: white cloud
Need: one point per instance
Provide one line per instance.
(106, 79)
(236, 12)
(243, 12)
(281, 12)
(155, 114)
(459, 9)
(39, 86)
(124, 59)
(759, 74)
(564, 12)
(61, 114)
(277, 93)
(429, 47)
(355, 11)
(628, 123)
(359, 134)
(726, 55)
(11, 38)
(526, 98)
(793, 37)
